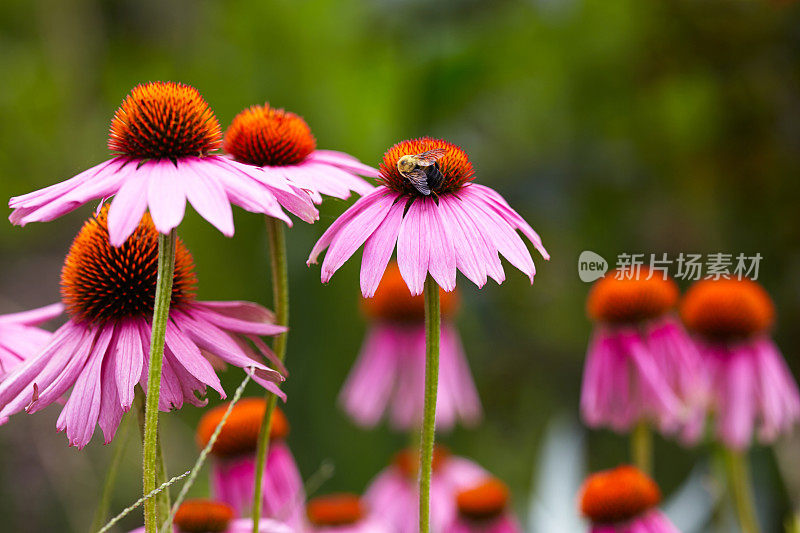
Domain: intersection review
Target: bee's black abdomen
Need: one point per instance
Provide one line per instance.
(435, 177)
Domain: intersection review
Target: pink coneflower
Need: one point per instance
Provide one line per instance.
(484, 508)
(390, 371)
(751, 385)
(234, 468)
(162, 136)
(394, 497)
(209, 516)
(342, 513)
(20, 338)
(459, 225)
(281, 143)
(623, 500)
(102, 351)
(641, 365)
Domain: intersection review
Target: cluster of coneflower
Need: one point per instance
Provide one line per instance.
(136, 336)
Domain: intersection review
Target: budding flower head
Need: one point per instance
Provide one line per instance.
(484, 501)
(618, 495)
(629, 301)
(239, 435)
(265, 136)
(164, 120)
(335, 510)
(203, 516)
(727, 309)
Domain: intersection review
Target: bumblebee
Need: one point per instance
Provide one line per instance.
(422, 170)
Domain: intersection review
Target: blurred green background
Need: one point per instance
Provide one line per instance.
(610, 125)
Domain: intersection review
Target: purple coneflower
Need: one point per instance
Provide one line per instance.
(441, 222)
(751, 385)
(234, 468)
(394, 497)
(102, 350)
(390, 372)
(623, 500)
(484, 508)
(342, 513)
(209, 516)
(20, 338)
(282, 145)
(461, 225)
(162, 137)
(641, 367)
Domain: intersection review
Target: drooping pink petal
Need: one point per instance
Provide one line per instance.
(127, 209)
(165, 196)
(355, 233)
(129, 360)
(378, 250)
(413, 248)
(188, 355)
(81, 412)
(442, 257)
(111, 410)
(209, 199)
(33, 317)
(736, 415)
(379, 195)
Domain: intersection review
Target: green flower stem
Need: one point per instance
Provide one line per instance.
(432, 338)
(741, 491)
(120, 444)
(642, 447)
(154, 510)
(280, 297)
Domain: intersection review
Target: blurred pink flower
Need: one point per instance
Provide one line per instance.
(394, 495)
(343, 513)
(752, 388)
(199, 515)
(281, 144)
(641, 364)
(234, 467)
(20, 338)
(390, 371)
(102, 351)
(623, 500)
(484, 508)
(162, 134)
(459, 225)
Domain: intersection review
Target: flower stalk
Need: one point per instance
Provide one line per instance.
(432, 339)
(642, 447)
(741, 490)
(280, 296)
(156, 510)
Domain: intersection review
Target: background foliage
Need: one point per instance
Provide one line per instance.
(616, 126)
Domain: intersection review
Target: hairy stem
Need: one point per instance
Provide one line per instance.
(741, 491)
(154, 510)
(432, 338)
(280, 297)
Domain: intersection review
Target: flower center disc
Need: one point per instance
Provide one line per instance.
(727, 308)
(335, 510)
(239, 435)
(618, 495)
(203, 516)
(484, 501)
(100, 282)
(164, 120)
(614, 300)
(454, 165)
(264, 136)
(393, 301)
